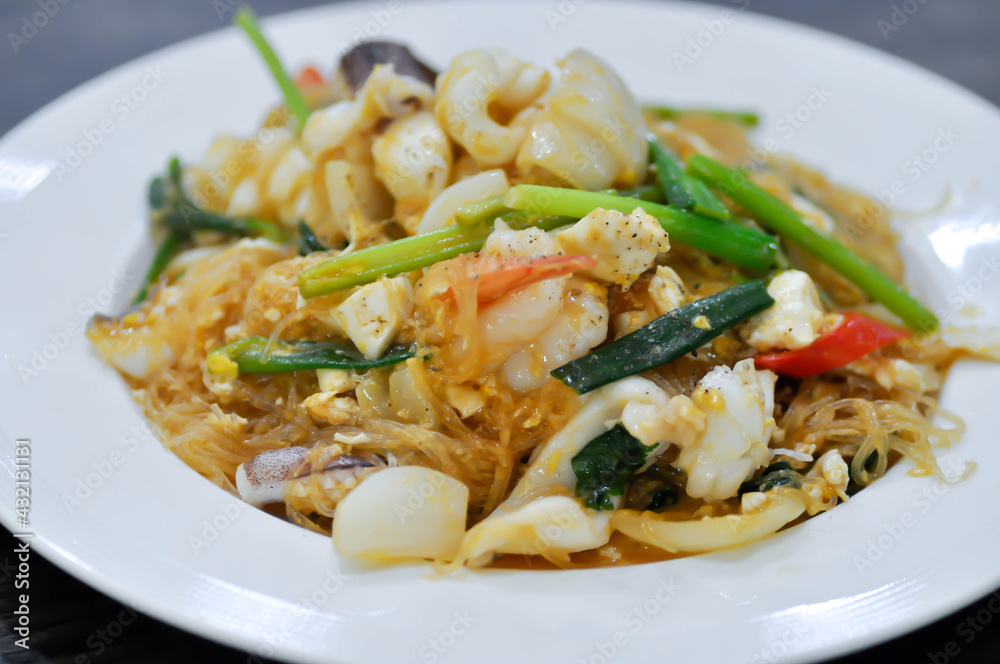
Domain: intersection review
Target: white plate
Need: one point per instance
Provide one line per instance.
(72, 233)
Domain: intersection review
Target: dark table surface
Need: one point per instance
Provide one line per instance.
(71, 623)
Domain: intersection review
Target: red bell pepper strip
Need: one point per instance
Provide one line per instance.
(309, 77)
(856, 336)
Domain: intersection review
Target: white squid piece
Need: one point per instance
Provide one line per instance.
(441, 211)
(542, 516)
(711, 533)
(264, 479)
(385, 94)
(402, 513)
(738, 407)
(413, 160)
(478, 82)
(138, 353)
(590, 132)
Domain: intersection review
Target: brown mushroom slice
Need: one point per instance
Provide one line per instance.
(358, 63)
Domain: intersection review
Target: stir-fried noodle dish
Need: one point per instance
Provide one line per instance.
(502, 315)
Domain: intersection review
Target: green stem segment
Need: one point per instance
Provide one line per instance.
(253, 356)
(170, 247)
(294, 100)
(644, 192)
(741, 246)
(667, 338)
(785, 221)
(484, 210)
(411, 253)
(682, 190)
(747, 118)
(489, 209)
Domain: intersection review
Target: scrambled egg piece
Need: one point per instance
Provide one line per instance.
(337, 381)
(666, 290)
(794, 320)
(890, 372)
(625, 244)
(374, 314)
(330, 408)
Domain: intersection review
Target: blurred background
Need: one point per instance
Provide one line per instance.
(954, 38)
(84, 38)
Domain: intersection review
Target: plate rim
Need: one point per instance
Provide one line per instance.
(109, 585)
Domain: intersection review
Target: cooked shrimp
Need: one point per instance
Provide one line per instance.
(580, 326)
(518, 317)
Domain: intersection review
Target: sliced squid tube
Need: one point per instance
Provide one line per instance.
(557, 525)
(709, 533)
(265, 478)
(552, 526)
(402, 513)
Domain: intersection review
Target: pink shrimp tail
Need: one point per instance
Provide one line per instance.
(499, 276)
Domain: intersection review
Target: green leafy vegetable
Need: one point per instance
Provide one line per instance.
(308, 242)
(748, 118)
(172, 208)
(685, 191)
(742, 246)
(668, 496)
(605, 465)
(785, 221)
(775, 475)
(411, 253)
(667, 338)
(252, 356)
(294, 100)
(169, 247)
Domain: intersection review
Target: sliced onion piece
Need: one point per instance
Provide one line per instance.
(709, 533)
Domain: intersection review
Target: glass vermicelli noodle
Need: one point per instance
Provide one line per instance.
(436, 322)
